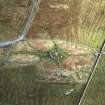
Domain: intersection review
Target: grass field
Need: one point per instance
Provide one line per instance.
(18, 86)
(92, 37)
(95, 94)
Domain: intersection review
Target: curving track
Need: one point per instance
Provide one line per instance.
(26, 28)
